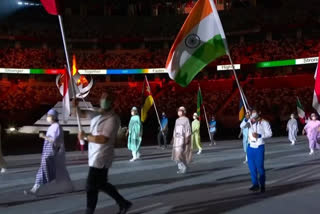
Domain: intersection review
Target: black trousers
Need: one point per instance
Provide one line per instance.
(98, 181)
(162, 137)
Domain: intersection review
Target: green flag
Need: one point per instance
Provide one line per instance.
(199, 102)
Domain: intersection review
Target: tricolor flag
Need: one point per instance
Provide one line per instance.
(241, 110)
(200, 41)
(66, 98)
(199, 102)
(51, 6)
(316, 93)
(146, 93)
(301, 113)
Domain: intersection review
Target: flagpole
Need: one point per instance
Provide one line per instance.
(69, 69)
(154, 105)
(245, 98)
(205, 115)
(228, 53)
(237, 81)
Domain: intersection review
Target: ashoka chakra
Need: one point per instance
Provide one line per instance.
(192, 41)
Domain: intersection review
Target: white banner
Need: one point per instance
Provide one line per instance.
(157, 71)
(14, 71)
(310, 60)
(228, 67)
(90, 72)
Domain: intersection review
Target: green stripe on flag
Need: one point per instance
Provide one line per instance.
(205, 54)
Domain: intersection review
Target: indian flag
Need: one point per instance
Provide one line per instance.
(200, 41)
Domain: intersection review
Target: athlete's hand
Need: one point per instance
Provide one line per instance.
(255, 135)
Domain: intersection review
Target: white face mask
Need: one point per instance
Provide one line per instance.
(132, 113)
(180, 113)
(49, 120)
(254, 115)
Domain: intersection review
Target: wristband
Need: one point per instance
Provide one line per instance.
(86, 138)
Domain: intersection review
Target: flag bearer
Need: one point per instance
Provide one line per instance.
(259, 130)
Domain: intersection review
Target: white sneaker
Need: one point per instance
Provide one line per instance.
(133, 159)
(199, 152)
(311, 152)
(3, 170)
(182, 171)
(33, 190)
(138, 155)
(245, 161)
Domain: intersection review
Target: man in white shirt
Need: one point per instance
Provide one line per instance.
(259, 130)
(104, 128)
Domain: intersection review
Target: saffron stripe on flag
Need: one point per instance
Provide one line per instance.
(200, 11)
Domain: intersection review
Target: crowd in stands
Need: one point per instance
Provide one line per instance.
(242, 53)
(24, 96)
(253, 52)
(279, 101)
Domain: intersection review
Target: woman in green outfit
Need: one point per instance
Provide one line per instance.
(134, 134)
(195, 138)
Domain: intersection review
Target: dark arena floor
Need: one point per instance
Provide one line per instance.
(217, 182)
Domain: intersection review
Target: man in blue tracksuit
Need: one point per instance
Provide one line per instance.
(259, 130)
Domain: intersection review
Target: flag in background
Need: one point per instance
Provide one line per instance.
(51, 6)
(200, 41)
(148, 102)
(301, 112)
(241, 110)
(199, 102)
(316, 93)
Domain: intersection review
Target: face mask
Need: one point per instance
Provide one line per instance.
(292, 116)
(49, 120)
(180, 113)
(254, 115)
(105, 104)
(132, 113)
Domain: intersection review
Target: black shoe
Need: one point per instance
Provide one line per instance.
(125, 207)
(89, 211)
(262, 189)
(254, 188)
